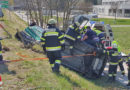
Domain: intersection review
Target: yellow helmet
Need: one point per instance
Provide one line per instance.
(52, 21)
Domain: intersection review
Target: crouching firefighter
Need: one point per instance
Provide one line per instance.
(1, 57)
(72, 35)
(53, 42)
(114, 58)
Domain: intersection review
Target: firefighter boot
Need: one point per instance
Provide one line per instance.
(114, 78)
(123, 73)
(128, 84)
(56, 68)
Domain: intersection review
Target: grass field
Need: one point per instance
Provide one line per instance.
(113, 22)
(37, 75)
(122, 35)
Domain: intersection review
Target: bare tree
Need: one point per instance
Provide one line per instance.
(34, 8)
(86, 6)
(69, 5)
(114, 7)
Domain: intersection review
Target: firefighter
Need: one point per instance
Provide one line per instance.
(53, 42)
(128, 64)
(32, 23)
(1, 57)
(73, 34)
(99, 33)
(90, 37)
(114, 58)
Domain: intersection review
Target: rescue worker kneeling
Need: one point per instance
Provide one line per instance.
(53, 41)
(114, 58)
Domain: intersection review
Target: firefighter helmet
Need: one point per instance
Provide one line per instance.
(52, 21)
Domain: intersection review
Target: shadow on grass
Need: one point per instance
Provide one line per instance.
(103, 82)
(4, 69)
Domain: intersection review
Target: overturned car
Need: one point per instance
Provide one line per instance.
(85, 60)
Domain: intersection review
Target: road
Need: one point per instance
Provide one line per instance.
(22, 15)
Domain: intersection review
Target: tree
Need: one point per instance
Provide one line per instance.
(114, 7)
(85, 6)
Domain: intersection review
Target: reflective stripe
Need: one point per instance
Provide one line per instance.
(123, 71)
(71, 47)
(71, 27)
(52, 65)
(110, 75)
(120, 60)
(61, 37)
(114, 74)
(0, 52)
(70, 37)
(53, 48)
(111, 63)
(51, 34)
(62, 42)
(43, 39)
(58, 61)
(79, 37)
(115, 54)
(42, 43)
(76, 29)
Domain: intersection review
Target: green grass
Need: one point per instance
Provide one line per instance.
(122, 35)
(37, 75)
(113, 22)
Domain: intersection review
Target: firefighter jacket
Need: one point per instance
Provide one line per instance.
(73, 33)
(52, 39)
(116, 47)
(99, 33)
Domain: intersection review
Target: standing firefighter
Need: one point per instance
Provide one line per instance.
(72, 35)
(114, 58)
(53, 41)
(1, 57)
(128, 64)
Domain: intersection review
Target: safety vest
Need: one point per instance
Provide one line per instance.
(52, 39)
(73, 33)
(115, 45)
(97, 31)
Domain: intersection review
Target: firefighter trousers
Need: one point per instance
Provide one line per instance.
(1, 57)
(54, 59)
(113, 66)
(129, 73)
(71, 43)
(121, 66)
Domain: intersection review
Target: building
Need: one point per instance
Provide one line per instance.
(120, 8)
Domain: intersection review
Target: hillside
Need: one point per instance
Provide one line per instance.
(37, 75)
